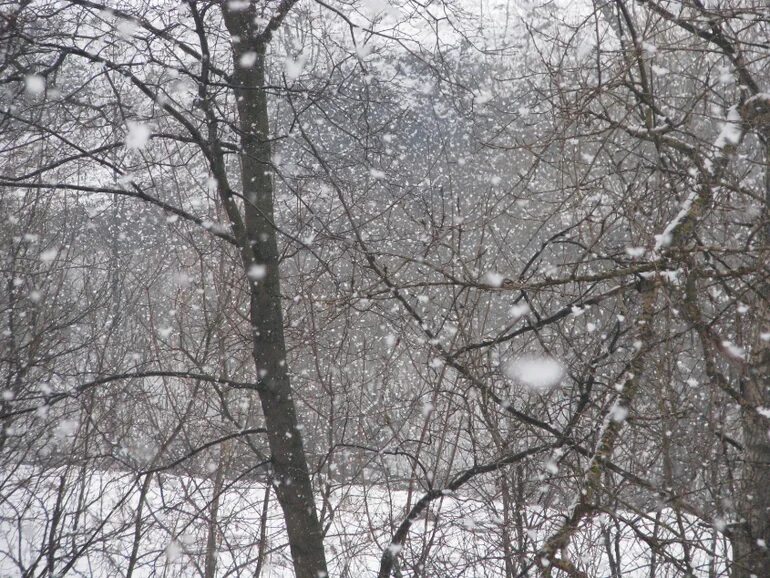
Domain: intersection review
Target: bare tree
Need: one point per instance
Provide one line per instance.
(490, 285)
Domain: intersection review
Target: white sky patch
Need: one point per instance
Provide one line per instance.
(257, 272)
(577, 311)
(649, 48)
(374, 9)
(247, 59)
(182, 279)
(126, 28)
(173, 551)
(49, 255)
(726, 77)
(493, 279)
(618, 413)
(363, 49)
(731, 130)
(551, 466)
(733, 350)
(519, 310)
(483, 96)
(66, 428)
(293, 68)
(138, 135)
(236, 5)
(538, 374)
(584, 47)
(34, 84)
(672, 277)
(730, 134)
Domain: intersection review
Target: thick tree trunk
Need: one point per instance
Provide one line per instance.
(751, 537)
(291, 473)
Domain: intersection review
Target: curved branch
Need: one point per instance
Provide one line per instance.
(390, 554)
(137, 193)
(57, 397)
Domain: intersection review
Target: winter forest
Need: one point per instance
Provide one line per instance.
(387, 288)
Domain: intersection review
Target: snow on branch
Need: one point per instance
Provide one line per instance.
(729, 137)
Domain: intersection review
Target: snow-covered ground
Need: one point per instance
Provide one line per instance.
(91, 518)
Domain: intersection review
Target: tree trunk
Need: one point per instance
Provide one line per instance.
(291, 474)
(751, 537)
(212, 543)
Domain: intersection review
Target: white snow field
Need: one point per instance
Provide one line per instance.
(90, 517)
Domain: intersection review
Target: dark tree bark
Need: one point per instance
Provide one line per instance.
(751, 537)
(291, 473)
